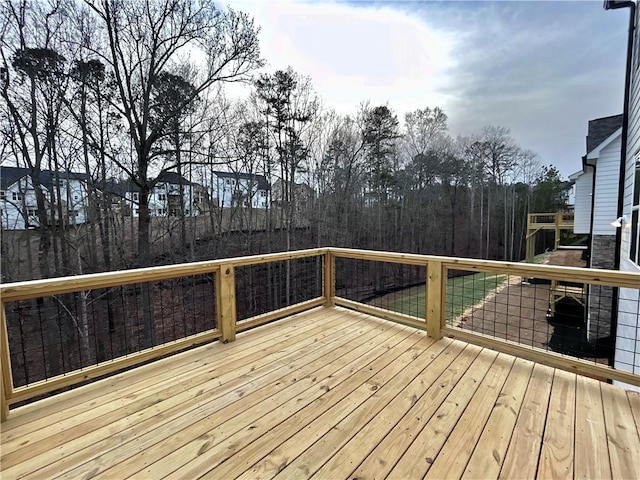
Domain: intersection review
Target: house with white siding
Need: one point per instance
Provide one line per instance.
(171, 195)
(596, 190)
(582, 188)
(627, 332)
(235, 189)
(66, 191)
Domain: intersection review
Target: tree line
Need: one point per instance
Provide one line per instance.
(126, 91)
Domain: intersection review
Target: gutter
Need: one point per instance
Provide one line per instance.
(614, 5)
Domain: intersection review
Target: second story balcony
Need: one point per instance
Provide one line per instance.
(323, 363)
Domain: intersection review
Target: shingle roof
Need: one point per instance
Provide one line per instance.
(173, 178)
(10, 175)
(261, 180)
(600, 129)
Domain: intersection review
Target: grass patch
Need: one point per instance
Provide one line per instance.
(462, 293)
(467, 291)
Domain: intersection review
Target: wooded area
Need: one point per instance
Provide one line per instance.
(127, 91)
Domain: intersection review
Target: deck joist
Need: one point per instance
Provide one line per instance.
(330, 393)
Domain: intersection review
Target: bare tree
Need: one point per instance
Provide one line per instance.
(149, 39)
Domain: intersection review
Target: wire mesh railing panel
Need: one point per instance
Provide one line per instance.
(56, 335)
(266, 287)
(392, 286)
(561, 316)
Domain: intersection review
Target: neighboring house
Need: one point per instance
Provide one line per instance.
(165, 199)
(302, 192)
(582, 188)
(18, 206)
(234, 189)
(627, 343)
(596, 191)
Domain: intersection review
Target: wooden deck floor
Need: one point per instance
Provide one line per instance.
(330, 394)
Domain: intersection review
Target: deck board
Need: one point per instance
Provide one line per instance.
(330, 393)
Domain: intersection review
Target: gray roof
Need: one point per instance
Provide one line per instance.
(600, 129)
(261, 180)
(10, 175)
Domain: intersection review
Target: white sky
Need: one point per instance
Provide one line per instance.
(542, 69)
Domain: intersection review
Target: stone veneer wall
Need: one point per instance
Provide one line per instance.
(601, 297)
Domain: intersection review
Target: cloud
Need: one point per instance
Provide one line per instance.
(357, 53)
(542, 69)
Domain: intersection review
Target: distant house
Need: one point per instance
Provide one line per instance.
(234, 189)
(303, 194)
(165, 199)
(18, 206)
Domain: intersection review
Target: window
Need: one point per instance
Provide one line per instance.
(162, 211)
(32, 212)
(634, 252)
(3, 194)
(136, 196)
(162, 197)
(227, 182)
(16, 197)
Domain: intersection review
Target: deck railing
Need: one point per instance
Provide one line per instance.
(93, 325)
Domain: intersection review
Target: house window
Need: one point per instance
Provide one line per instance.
(32, 212)
(634, 253)
(227, 182)
(162, 211)
(16, 197)
(3, 194)
(136, 196)
(162, 197)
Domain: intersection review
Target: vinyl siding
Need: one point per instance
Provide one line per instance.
(606, 189)
(627, 354)
(582, 210)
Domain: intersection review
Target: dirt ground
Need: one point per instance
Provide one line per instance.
(517, 311)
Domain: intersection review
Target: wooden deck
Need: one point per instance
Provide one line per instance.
(330, 394)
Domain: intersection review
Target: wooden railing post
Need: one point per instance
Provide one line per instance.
(226, 302)
(6, 385)
(435, 298)
(329, 278)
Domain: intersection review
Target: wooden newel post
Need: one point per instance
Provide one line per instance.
(435, 298)
(329, 278)
(226, 302)
(6, 385)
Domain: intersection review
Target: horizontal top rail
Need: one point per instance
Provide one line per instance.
(577, 274)
(54, 286)
(37, 288)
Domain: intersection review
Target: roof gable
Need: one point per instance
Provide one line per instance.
(10, 175)
(600, 129)
(595, 153)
